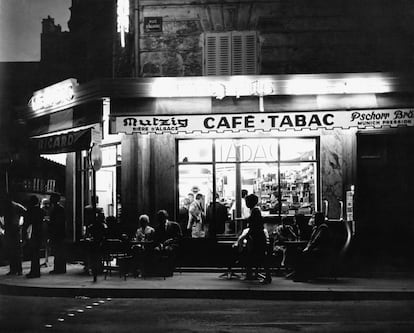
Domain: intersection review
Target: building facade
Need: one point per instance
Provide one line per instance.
(223, 96)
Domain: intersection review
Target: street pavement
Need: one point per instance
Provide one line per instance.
(83, 314)
(206, 284)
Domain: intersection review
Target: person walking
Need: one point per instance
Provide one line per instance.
(34, 219)
(57, 234)
(12, 213)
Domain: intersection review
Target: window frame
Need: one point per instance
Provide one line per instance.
(238, 164)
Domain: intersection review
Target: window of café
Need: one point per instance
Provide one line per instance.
(108, 181)
(282, 172)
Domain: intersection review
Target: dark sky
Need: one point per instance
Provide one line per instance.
(20, 26)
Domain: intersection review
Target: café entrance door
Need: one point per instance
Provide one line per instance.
(385, 195)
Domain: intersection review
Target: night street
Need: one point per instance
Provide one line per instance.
(206, 166)
(36, 314)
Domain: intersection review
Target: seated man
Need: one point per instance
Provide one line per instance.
(316, 252)
(166, 237)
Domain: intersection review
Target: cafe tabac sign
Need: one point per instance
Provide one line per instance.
(283, 121)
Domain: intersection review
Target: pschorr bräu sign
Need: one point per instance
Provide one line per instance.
(251, 122)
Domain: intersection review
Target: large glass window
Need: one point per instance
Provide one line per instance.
(282, 172)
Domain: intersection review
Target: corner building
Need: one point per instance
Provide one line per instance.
(219, 97)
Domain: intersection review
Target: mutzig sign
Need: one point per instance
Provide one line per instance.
(55, 95)
(280, 121)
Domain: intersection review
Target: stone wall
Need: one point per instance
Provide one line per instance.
(296, 36)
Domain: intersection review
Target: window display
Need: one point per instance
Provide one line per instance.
(282, 172)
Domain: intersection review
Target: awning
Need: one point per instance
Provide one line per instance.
(65, 142)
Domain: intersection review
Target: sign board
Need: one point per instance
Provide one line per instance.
(350, 205)
(251, 122)
(96, 157)
(58, 94)
(152, 24)
(64, 143)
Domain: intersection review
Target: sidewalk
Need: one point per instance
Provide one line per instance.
(205, 285)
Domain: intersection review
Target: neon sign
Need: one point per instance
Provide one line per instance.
(122, 12)
(55, 95)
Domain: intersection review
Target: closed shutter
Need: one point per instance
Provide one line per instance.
(231, 53)
(217, 54)
(244, 53)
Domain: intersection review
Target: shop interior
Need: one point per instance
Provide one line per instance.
(281, 172)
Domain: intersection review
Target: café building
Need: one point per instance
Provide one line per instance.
(301, 143)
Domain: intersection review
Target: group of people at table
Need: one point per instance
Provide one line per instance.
(146, 242)
(299, 252)
(301, 249)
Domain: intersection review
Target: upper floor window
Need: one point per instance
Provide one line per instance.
(231, 53)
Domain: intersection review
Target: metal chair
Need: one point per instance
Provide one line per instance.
(116, 256)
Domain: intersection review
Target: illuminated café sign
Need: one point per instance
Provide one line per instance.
(265, 122)
(53, 96)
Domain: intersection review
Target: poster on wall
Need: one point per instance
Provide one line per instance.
(265, 122)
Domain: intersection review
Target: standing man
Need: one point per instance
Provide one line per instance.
(57, 234)
(216, 219)
(11, 213)
(34, 218)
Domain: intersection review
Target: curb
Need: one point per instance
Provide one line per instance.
(285, 295)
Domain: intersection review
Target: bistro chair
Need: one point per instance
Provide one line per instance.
(116, 256)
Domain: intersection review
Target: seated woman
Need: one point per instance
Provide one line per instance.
(316, 252)
(144, 232)
(255, 241)
(140, 251)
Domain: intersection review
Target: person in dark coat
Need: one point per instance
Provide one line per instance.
(316, 252)
(254, 242)
(216, 218)
(166, 237)
(57, 229)
(11, 213)
(167, 233)
(34, 218)
(183, 216)
(96, 232)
